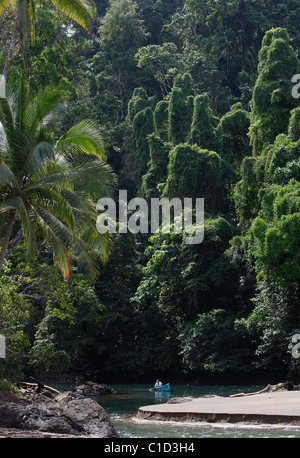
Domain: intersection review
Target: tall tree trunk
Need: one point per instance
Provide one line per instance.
(23, 46)
(11, 220)
(11, 48)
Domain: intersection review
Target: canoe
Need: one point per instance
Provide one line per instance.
(166, 387)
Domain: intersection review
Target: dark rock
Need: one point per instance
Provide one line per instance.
(92, 390)
(179, 400)
(69, 413)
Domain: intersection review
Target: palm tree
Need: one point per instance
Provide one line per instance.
(40, 187)
(81, 11)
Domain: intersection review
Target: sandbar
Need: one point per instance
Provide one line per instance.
(281, 407)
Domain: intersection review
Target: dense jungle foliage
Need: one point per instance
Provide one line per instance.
(163, 99)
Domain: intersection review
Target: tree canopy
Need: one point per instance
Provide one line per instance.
(187, 99)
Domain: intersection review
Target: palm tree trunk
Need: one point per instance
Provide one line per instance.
(11, 220)
(23, 46)
(11, 48)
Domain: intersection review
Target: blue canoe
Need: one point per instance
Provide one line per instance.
(166, 387)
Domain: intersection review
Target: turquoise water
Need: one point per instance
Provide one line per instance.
(128, 398)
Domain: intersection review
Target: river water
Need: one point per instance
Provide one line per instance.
(128, 398)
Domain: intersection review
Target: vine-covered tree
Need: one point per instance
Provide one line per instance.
(272, 100)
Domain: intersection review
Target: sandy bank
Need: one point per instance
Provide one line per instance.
(268, 408)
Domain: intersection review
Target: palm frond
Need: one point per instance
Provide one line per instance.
(12, 203)
(82, 206)
(51, 167)
(6, 3)
(84, 137)
(87, 259)
(52, 200)
(7, 177)
(61, 255)
(89, 253)
(19, 205)
(81, 11)
(100, 243)
(94, 176)
(61, 230)
(7, 120)
(22, 99)
(45, 108)
(37, 156)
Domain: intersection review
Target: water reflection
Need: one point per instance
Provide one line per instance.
(162, 396)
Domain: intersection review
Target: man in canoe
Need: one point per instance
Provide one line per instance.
(158, 384)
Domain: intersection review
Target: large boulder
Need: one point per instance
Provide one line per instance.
(93, 390)
(68, 413)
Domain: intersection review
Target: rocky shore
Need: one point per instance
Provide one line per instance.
(43, 412)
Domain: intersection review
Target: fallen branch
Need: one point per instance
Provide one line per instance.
(250, 394)
(38, 386)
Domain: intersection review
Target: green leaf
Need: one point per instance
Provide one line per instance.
(82, 11)
(84, 137)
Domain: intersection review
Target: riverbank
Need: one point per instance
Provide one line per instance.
(281, 407)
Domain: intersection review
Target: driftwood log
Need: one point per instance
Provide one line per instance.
(38, 386)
